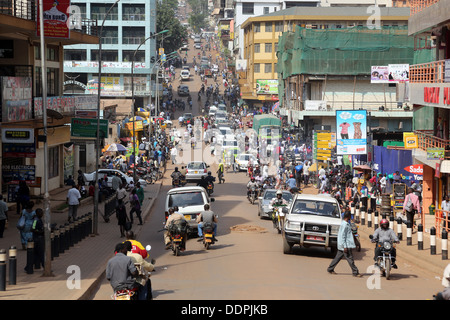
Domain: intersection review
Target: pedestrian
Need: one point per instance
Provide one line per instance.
(73, 200)
(135, 207)
(22, 196)
(38, 238)
(140, 193)
(445, 207)
(345, 246)
(122, 217)
(3, 215)
(411, 205)
(25, 231)
(81, 178)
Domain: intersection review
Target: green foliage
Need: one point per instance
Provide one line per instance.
(166, 20)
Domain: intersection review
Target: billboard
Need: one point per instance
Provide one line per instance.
(267, 87)
(392, 73)
(55, 19)
(351, 136)
(16, 98)
(379, 74)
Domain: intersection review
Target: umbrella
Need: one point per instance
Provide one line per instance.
(276, 107)
(115, 147)
(362, 167)
(137, 118)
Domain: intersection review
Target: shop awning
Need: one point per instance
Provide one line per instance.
(445, 166)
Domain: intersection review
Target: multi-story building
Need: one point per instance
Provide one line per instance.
(22, 155)
(430, 94)
(261, 35)
(126, 26)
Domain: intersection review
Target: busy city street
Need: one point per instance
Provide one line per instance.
(235, 157)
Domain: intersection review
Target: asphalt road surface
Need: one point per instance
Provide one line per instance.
(249, 264)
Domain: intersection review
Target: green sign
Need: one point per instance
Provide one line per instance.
(87, 128)
(267, 86)
(435, 153)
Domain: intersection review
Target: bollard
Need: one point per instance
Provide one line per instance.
(357, 213)
(399, 228)
(376, 220)
(363, 216)
(420, 237)
(369, 218)
(30, 257)
(433, 240)
(2, 270)
(352, 210)
(391, 221)
(408, 233)
(62, 239)
(66, 236)
(70, 225)
(444, 244)
(56, 244)
(52, 244)
(12, 265)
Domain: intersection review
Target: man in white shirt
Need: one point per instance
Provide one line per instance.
(73, 200)
(445, 207)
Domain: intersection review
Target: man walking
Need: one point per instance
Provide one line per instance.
(73, 200)
(345, 246)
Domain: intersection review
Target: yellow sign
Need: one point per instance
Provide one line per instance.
(138, 126)
(324, 136)
(410, 140)
(324, 144)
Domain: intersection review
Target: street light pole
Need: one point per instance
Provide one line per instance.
(97, 141)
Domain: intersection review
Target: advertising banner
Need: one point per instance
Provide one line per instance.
(55, 19)
(351, 136)
(379, 74)
(16, 98)
(410, 140)
(87, 128)
(267, 87)
(398, 73)
(388, 161)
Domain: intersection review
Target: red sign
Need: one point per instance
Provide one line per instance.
(431, 94)
(415, 169)
(55, 19)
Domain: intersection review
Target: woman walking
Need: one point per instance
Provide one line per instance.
(25, 233)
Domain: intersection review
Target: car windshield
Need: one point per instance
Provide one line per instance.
(194, 166)
(269, 195)
(186, 199)
(320, 208)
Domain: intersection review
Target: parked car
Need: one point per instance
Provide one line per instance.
(264, 201)
(195, 170)
(110, 173)
(198, 46)
(311, 220)
(243, 159)
(183, 90)
(190, 202)
(184, 47)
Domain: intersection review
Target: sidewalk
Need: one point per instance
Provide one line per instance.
(85, 260)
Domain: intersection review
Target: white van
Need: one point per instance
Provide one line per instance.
(190, 202)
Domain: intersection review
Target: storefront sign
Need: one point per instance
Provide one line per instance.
(410, 140)
(15, 173)
(415, 169)
(16, 98)
(435, 153)
(55, 19)
(87, 128)
(17, 135)
(267, 87)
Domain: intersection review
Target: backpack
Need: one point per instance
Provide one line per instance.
(409, 205)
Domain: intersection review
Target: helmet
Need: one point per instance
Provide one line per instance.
(384, 222)
(291, 176)
(252, 178)
(279, 192)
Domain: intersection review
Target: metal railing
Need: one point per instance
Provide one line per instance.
(427, 140)
(418, 5)
(441, 222)
(431, 72)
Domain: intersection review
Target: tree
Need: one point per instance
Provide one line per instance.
(165, 20)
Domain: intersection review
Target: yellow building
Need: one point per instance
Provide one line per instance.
(258, 80)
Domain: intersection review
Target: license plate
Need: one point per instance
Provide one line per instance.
(187, 217)
(314, 238)
(207, 240)
(196, 172)
(176, 240)
(208, 235)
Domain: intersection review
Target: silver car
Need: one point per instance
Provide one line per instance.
(267, 197)
(195, 170)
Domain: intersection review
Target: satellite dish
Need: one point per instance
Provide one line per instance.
(54, 114)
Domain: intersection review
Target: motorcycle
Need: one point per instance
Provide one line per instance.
(176, 183)
(176, 233)
(384, 260)
(210, 189)
(356, 236)
(252, 196)
(278, 217)
(208, 235)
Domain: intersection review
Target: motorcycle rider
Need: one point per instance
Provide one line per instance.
(210, 179)
(174, 218)
(176, 175)
(252, 184)
(144, 268)
(205, 217)
(384, 233)
(279, 200)
(120, 269)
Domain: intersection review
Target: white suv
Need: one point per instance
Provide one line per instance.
(185, 75)
(312, 220)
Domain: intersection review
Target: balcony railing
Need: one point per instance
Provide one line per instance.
(431, 72)
(419, 5)
(427, 140)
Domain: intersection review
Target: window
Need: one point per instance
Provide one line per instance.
(257, 27)
(248, 8)
(107, 55)
(256, 68)
(268, 68)
(77, 55)
(257, 47)
(276, 47)
(53, 162)
(268, 48)
(52, 82)
(127, 56)
(266, 11)
(278, 27)
(268, 26)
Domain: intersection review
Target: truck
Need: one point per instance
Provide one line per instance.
(267, 127)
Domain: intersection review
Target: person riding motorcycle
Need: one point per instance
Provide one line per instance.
(176, 175)
(175, 218)
(210, 179)
(279, 200)
(250, 185)
(384, 233)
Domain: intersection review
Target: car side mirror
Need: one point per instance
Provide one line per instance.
(212, 199)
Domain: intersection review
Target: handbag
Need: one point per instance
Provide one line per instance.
(21, 223)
